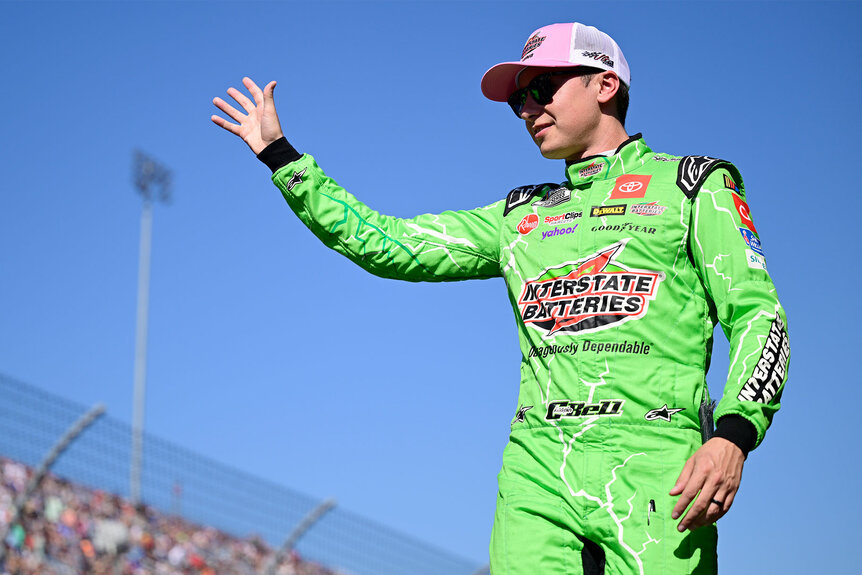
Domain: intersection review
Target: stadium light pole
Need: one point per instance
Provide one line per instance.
(153, 181)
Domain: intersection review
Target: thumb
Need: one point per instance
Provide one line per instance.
(269, 90)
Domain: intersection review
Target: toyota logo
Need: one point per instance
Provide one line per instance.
(630, 187)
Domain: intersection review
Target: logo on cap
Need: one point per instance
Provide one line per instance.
(599, 56)
(534, 42)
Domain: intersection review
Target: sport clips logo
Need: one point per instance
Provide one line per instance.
(588, 295)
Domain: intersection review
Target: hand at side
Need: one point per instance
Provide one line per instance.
(711, 479)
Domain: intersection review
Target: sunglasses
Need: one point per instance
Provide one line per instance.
(540, 89)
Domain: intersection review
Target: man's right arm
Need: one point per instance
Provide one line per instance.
(442, 247)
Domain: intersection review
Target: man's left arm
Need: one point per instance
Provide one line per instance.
(730, 261)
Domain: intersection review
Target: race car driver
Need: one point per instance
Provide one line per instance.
(617, 277)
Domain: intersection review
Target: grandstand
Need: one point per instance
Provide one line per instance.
(197, 516)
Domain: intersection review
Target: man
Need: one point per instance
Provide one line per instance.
(617, 278)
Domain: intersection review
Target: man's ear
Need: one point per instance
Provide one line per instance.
(609, 83)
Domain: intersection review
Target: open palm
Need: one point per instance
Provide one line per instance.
(259, 126)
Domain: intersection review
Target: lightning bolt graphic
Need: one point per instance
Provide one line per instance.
(609, 507)
(719, 257)
(420, 249)
(439, 235)
(745, 333)
(680, 251)
(510, 266)
(586, 425)
(607, 504)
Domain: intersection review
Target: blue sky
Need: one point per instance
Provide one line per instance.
(396, 397)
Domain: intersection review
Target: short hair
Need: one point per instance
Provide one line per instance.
(622, 95)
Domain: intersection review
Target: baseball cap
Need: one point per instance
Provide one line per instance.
(558, 46)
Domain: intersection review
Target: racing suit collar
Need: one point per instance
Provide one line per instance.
(627, 157)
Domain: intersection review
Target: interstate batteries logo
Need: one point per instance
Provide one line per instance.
(532, 43)
(650, 209)
(588, 295)
(591, 170)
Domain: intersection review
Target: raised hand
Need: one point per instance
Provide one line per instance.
(259, 126)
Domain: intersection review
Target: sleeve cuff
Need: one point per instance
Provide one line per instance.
(738, 431)
(278, 154)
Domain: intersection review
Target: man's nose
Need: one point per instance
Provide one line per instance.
(531, 108)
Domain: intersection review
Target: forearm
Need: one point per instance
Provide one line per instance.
(729, 259)
(442, 247)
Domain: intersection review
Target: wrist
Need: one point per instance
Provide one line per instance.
(278, 154)
(737, 430)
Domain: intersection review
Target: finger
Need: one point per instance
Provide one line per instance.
(254, 90)
(702, 504)
(715, 510)
(229, 110)
(719, 505)
(683, 477)
(241, 99)
(728, 500)
(689, 492)
(221, 122)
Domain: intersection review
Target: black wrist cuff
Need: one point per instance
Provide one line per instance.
(278, 154)
(738, 431)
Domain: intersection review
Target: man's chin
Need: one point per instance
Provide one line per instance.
(553, 153)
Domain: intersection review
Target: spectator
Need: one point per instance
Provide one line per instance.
(67, 529)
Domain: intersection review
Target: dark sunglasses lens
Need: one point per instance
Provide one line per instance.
(539, 89)
(517, 101)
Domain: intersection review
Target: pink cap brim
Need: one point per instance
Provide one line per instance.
(498, 83)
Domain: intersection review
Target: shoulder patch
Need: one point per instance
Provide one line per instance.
(693, 171)
(522, 195)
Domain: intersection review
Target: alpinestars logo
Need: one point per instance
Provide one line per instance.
(295, 179)
(522, 413)
(588, 295)
(664, 412)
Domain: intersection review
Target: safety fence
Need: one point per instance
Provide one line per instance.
(179, 482)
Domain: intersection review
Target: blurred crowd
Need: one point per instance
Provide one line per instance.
(67, 529)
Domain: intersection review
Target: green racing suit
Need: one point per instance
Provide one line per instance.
(617, 278)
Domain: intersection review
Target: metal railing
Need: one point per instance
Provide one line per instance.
(213, 494)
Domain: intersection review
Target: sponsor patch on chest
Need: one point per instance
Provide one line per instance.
(555, 198)
(588, 295)
(630, 186)
(650, 209)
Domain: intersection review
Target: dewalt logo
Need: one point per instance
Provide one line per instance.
(600, 211)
